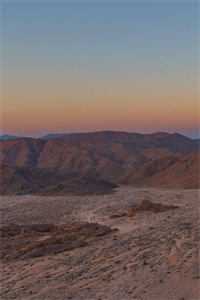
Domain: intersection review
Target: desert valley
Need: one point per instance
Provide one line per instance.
(99, 150)
(100, 216)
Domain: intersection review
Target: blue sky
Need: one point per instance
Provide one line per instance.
(127, 56)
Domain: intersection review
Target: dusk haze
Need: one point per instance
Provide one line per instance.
(87, 67)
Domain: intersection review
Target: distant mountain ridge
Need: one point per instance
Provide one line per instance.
(107, 133)
(108, 158)
(7, 137)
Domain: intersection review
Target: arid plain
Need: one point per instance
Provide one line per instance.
(135, 243)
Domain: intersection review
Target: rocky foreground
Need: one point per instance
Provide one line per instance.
(137, 244)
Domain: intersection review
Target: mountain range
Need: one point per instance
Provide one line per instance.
(97, 162)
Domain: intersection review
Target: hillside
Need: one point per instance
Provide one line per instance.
(69, 160)
(170, 172)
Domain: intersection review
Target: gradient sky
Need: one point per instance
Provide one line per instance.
(82, 67)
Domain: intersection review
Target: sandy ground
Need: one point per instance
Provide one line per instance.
(152, 256)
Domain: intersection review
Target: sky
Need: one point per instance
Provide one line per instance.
(106, 65)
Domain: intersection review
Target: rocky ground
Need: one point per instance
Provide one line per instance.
(142, 245)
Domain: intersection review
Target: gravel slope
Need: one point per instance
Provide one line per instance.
(151, 256)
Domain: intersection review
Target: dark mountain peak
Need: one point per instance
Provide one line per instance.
(52, 136)
(112, 133)
(161, 134)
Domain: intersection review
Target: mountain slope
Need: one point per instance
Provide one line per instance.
(23, 152)
(111, 157)
(19, 180)
(174, 142)
(172, 171)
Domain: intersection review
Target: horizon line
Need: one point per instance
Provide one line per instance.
(97, 131)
